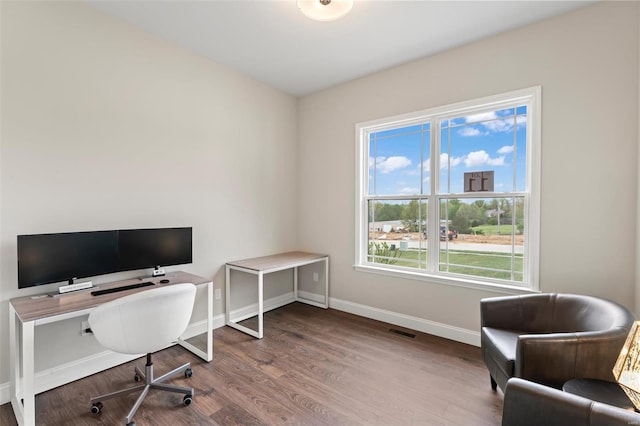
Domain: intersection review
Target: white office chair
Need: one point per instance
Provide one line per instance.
(144, 322)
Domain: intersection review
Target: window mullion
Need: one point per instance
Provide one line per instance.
(433, 223)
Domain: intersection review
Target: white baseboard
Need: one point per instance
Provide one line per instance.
(77, 369)
(414, 323)
(200, 327)
(314, 297)
(249, 311)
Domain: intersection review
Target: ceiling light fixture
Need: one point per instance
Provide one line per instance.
(325, 10)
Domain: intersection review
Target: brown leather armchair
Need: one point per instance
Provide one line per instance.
(551, 338)
(531, 404)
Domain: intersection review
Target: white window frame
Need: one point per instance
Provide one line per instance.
(531, 97)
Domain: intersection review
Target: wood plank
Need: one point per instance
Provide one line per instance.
(313, 367)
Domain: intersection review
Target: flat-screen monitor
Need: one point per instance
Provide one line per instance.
(147, 248)
(51, 258)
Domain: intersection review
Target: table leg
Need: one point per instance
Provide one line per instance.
(260, 304)
(206, 354)
(326, 282)
(227, 295)
(209, 321)
(14, 366)
(28, 389)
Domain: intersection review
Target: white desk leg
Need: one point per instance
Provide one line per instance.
(295, 283)
(326, 282)
(209, 321)
(14, 366)
(206, 354)
(227, 295)
(13, 352)
(28, 390)
(227, 315)
(260, 304)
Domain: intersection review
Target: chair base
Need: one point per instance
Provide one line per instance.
(149, 383)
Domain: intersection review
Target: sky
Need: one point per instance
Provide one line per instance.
(400, 159)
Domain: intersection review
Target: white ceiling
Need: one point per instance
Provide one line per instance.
(273, 42)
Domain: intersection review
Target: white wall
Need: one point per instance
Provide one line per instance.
(105, 127)
(587, 65)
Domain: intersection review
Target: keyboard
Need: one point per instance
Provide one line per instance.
(122, 288)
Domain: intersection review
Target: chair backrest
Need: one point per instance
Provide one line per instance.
(144, 322)
(556, 313)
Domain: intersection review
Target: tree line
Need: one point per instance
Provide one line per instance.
(461, 215)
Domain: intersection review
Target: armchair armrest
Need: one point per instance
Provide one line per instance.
(568, 355)
(531, 404)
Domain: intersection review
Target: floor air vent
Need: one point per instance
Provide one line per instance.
(402, 333)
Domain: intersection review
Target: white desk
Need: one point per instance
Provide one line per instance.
(265, 265)
(25, 313)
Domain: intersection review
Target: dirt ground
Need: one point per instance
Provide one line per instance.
(462, 238)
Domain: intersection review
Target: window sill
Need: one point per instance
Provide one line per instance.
(439, 279)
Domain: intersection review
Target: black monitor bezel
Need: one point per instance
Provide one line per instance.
(84, 273)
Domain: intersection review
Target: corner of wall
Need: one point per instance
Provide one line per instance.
(637, 272)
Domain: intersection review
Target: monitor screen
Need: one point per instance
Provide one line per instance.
(50, 258)
(146, 248)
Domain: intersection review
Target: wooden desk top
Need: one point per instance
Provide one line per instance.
(30, 308)
(278, 261)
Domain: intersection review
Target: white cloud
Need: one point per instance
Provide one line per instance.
(469, 131)
(409, 191)
(481, 158)
(483, 116)
(454, 161)
(507, 149)
(444, 162)
(387, 165)
(493, 123)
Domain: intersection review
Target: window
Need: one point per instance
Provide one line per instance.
(452, 193)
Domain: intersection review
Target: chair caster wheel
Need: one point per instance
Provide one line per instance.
(136, 378)
(131, 424)
(96, 408)
(188, 373)
(187, 399)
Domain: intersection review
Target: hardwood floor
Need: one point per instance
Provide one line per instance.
(313, 367)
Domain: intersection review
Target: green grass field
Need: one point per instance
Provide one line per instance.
(493, 229)
(481, 264)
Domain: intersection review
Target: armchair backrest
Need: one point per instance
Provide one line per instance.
(555, 313)
(576, 313)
